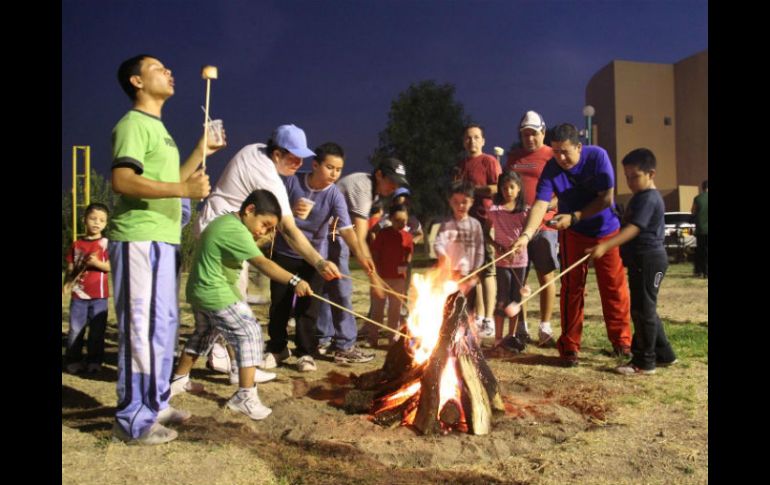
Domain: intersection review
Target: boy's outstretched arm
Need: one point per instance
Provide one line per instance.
(276, 273)
(626, 234)
(353, 241)
(299, 243)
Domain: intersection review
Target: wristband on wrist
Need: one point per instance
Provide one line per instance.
(295, 279)
(572, 219)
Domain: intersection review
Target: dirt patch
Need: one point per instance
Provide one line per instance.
(578, 425)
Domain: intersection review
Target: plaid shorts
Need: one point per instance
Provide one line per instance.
(239, 327)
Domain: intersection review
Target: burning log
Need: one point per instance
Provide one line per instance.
(454, 389)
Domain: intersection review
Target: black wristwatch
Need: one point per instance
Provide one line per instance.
(572, 219)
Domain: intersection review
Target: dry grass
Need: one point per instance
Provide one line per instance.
(580, 425)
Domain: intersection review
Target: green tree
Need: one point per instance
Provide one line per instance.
(424, 131)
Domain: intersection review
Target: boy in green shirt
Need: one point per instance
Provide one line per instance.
(213, 293)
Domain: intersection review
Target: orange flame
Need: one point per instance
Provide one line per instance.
(427, 311)
(449, 386)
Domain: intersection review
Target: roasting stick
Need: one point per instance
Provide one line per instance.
(471, 275)
(361, 316)
(208, 73)
(390, 290)
(514, 307)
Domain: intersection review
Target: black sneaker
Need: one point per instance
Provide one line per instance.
(569, 359)
(513, 343)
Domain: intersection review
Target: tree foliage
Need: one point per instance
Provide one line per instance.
(424, 131)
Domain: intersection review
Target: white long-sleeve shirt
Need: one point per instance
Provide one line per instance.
(462, 242)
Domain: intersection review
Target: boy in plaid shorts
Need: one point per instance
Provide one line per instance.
(213, 293)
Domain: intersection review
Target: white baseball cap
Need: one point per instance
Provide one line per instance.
(532, 119)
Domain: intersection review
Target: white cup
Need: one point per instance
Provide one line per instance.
(303, 207)
(216, 135)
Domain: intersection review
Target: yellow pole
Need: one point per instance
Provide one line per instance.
(88, 175)
(74, 193)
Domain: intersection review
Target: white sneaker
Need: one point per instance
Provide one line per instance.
(218, 359)
(272, 360)
(487, 328)
(234, 375)
(172, 415)
(247, 401)
(259, 376)
(306, 364)
(184, 384)
(323, 348)
(156, 435)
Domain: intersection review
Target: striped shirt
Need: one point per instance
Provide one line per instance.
(358, 189)
(508, 226)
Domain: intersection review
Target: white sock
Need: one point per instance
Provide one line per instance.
(545, 327)
(176, 377)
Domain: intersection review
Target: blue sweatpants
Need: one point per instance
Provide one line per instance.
(146, 307)
(336, 325)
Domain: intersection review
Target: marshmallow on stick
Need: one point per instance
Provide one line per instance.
(208, 73)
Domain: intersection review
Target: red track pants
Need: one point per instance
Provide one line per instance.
(613, 290)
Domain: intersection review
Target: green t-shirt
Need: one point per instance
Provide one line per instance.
(702, 215)
(140, 141)
(217, 263)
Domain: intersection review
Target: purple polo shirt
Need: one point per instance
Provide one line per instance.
(577, 187)
(329, 202)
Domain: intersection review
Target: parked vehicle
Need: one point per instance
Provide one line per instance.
(680, 240)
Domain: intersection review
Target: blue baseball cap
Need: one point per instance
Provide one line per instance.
(401, 191)
(292, 138)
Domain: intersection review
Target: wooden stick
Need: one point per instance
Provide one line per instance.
(403, 298)
(206, 124)
(519, 305)
(471, 275)
(361, 316)
(557, 277)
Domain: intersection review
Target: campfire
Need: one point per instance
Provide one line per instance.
(437, 380)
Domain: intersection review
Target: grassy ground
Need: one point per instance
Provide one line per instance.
(580, 425)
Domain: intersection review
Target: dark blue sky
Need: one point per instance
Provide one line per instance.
(333, 67)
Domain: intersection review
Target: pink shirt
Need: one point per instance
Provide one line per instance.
(507, 229)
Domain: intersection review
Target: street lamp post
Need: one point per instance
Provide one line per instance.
(588, 112)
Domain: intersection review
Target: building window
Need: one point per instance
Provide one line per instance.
(629, 119)
(667, 120)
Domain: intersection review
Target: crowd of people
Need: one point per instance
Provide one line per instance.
(547, 208)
